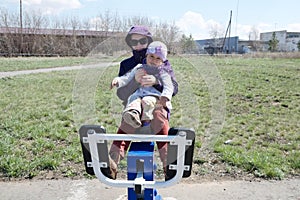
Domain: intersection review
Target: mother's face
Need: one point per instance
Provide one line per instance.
(138, 42)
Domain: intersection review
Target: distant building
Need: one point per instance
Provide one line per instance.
(287, 43)
(287, 40)
(248, 46)
(218, 45)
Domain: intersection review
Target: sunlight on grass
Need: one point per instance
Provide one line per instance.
(38, 130)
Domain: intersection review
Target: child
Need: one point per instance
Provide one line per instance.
(142, 102)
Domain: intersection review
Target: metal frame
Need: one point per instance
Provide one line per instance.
(180, 140)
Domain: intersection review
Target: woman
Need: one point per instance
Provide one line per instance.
(138, 38)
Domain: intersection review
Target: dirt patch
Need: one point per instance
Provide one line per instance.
(210, 170)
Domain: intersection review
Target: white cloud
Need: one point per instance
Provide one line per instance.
(52, 6)
(32, 2)
(193, 23)
(245, 31)
(242, 31)
(293, 27)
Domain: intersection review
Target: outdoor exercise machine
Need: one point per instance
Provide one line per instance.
(141, 165)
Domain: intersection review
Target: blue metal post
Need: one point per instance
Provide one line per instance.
(141, 153)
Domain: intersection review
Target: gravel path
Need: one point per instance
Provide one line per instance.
(46, 70)
(66, 189)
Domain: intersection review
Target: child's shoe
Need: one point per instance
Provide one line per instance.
(132, 117)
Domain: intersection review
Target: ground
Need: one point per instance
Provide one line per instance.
(211, 179)
(193, 188)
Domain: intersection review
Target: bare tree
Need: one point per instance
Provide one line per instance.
(216, 33)
(96, 23)
(187, 44)
(75, 23)
(140, 20)
(116, 23)
(63, 36)
(107, 20)
(255, 37)
(254, 33)
(10, 42)
(4, 18)
(168, 33)
(35, 20)
(32, 42)
(8, 19)
(86, 25)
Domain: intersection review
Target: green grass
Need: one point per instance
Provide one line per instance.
(36, 123)
(263, 114)
(30, 63)
(41, 113)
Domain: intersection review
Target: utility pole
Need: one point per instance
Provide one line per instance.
(236, 19)
(228, 29)
(229, 47)
(21, 28)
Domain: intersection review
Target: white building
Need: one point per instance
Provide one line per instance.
(287, 40)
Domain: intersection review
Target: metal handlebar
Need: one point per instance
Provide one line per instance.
(180, 140)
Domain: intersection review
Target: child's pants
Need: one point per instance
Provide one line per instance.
(159, 126)
(144, 106)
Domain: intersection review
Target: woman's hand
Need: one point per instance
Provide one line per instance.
(144, 79)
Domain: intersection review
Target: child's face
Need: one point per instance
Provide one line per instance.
(154, 60)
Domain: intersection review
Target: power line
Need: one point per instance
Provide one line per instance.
(21, 27)
(236, 18)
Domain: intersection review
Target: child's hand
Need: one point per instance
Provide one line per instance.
(114, 83)
(139, 75)
(148, 80)
(144, 79)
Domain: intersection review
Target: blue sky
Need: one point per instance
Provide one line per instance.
(196, 17)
